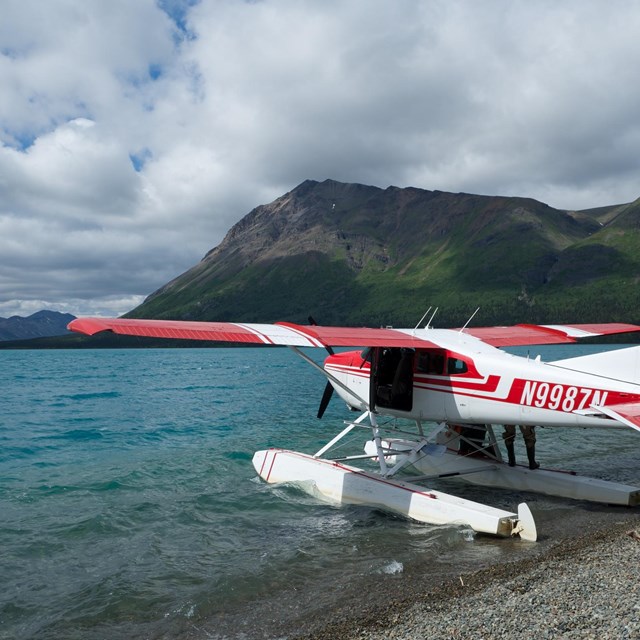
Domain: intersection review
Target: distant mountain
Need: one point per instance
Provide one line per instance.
(38, 325)
(350, 253)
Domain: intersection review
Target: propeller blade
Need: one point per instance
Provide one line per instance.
(326, 397)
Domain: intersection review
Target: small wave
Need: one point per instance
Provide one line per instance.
(392, 568)
(93, 527)
(78, 434)
(186, 610)
(57, 489)
(190, 387)
(238, 455)
(11, 453)
(300, 492)
(468, 535)
(107, 485)
(92, 396)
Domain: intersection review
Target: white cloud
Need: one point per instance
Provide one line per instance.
(135, 133)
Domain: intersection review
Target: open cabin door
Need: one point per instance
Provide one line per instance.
(394, 371)
(392, 378)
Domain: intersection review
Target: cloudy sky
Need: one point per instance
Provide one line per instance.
(134, 133)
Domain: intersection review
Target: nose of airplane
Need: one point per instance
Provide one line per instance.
(338, 360)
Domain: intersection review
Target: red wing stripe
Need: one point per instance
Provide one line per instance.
(216, 331)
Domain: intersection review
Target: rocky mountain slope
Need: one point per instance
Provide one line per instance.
(350, 253)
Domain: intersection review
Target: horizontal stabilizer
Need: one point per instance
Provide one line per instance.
(628, 413)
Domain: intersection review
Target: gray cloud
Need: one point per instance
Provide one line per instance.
(133, 135)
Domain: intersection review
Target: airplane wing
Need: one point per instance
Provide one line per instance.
(524, 334)
(285, 333)
(627, 413)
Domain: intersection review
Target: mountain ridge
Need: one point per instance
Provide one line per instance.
(41, 324)
(351, 253)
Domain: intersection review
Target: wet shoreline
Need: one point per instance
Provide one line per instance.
(564, 584)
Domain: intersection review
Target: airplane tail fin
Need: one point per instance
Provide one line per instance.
(618, 364)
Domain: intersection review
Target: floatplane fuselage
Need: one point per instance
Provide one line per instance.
(464, 380)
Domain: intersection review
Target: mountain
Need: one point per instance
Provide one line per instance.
(357, 254)
(38, 325)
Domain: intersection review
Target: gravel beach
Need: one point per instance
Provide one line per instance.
(580, 587)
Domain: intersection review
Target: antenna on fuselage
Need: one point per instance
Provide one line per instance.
(433, 315)
(469, 320)
(421, 319)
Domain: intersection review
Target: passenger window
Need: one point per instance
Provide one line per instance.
(422, 362)
(436, 364)
(456, 366)
(429, 362)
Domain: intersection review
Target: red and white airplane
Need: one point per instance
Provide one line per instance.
(459, 379)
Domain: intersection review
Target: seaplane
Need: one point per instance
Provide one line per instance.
(448, 389)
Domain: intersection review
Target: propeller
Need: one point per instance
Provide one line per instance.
(328, 390)
(326, 397)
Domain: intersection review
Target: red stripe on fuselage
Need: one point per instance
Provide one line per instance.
(454, 384)
(534, 393)
(352, 371)
(444, 383)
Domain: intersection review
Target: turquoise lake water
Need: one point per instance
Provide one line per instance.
(129, 506)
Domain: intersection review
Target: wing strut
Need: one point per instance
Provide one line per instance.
(341, 435)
